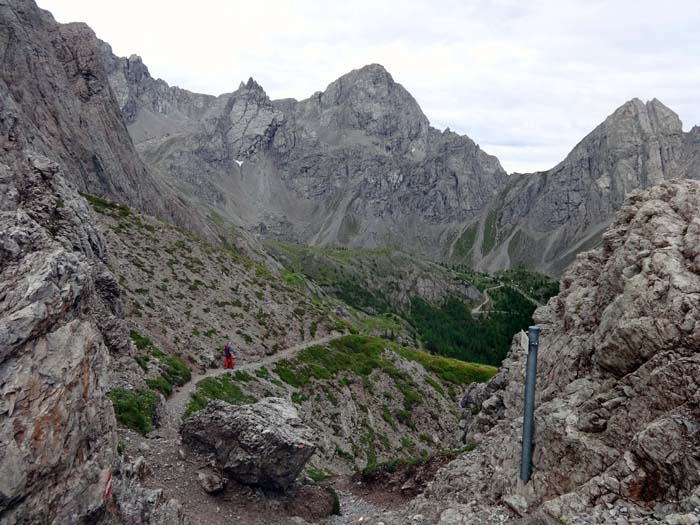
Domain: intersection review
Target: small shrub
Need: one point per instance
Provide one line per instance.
(263, 373)
(404, 416)
(221, 387)
(336, 500)
(142, 361)
(318, 475)
(242, 375)
(134, 409)
(386, 415)
(299, 397)
(141, 341)
(161, 384)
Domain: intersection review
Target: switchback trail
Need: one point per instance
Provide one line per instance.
(177, 403)
(477, 310)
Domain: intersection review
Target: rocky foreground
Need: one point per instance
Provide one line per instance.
(618, 401)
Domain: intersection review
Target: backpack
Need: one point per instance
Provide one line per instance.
(227, 350)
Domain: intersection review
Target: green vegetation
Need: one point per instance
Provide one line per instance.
(479, 280)
(538, 286)
(142, 342)
(107, 207)
(318, 475)
(464, 244)
(354, 354)
(369, 474)
(336, 500)
(134, 409)
(222, 387)
(450, 370)
(450, 330)
(386, 415)
(490, 230)
(174, 371)
(294, 279)
(385, 324)
(367, 281)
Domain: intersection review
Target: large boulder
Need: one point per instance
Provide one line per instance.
(263, 444)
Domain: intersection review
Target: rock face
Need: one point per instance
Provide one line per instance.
(618, 400)
(57, 319)
(54, 92)
(263, 444)
(355, 165)
(543, 220)
(61, 317)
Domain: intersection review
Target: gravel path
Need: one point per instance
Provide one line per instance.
(177, 403)
(477, 309)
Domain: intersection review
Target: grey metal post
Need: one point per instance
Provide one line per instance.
(533, 336)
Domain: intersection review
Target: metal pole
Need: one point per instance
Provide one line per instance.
(533, 335)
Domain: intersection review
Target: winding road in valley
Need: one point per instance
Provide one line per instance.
(477, 309)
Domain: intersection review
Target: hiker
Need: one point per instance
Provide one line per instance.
(228, 355)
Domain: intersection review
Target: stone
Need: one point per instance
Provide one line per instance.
(682, 519)
(310, 502)
(263, 444)
(212, 482)
(56, 434)
(56, 93)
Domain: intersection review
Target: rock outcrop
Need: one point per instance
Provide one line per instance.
(55, 96)
(542, 220)
(61, 318)
(263, 444)
(618, 400)
(57, 319)
(355, 165)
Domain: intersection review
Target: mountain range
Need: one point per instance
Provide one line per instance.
(130, 219)
(358, 165)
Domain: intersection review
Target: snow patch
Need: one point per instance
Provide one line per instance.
(239, 162)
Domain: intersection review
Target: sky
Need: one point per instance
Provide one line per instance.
(526, 80)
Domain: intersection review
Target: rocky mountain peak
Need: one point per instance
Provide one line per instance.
(369, 99)
(250, 85)
(249, 93)
(651, 117)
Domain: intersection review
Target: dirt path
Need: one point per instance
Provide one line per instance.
(177, 403)
(477, 310)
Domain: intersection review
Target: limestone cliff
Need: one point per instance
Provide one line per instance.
(355, 165)
(542, 220)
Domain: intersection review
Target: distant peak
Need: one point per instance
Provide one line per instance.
(252, 84)
(374, 71)
(377, 68)
(639, 105)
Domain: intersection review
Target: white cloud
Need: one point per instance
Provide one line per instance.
(526, 80)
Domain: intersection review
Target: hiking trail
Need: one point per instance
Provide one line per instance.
(477, 310)
(177, 403)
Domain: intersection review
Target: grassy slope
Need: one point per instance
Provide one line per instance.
(376, 281)
(370, 400)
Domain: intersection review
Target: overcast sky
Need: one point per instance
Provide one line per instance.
(525, 79)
